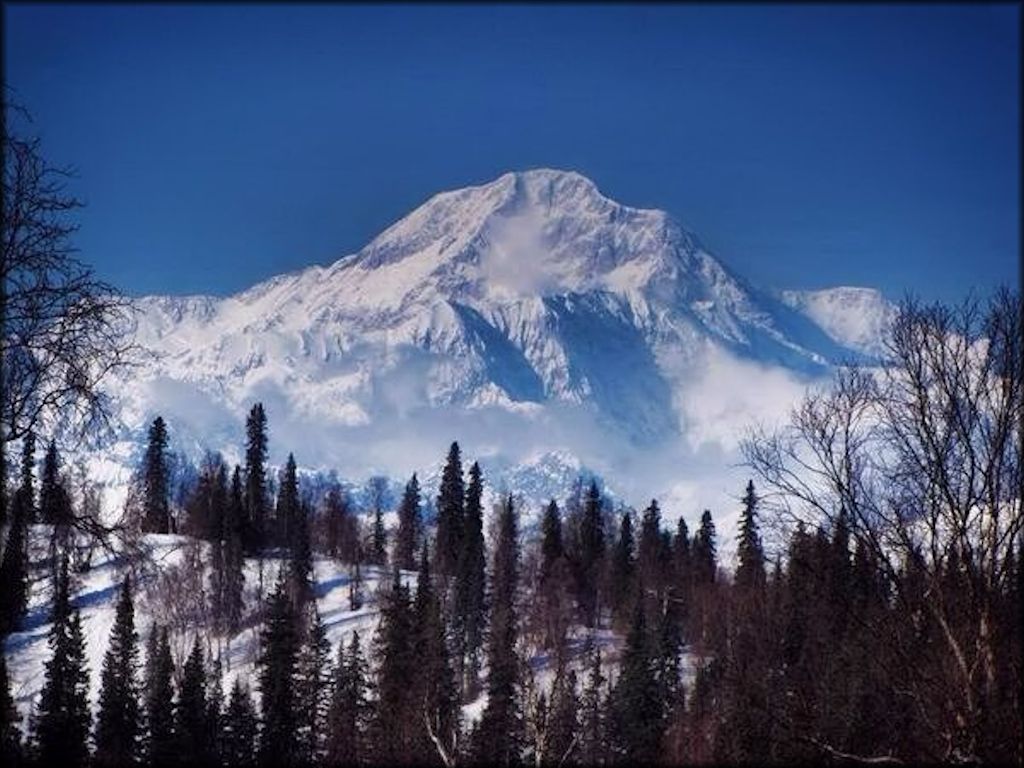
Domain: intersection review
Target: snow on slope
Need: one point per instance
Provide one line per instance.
(96, 596)
(528, 317)
(853, 317)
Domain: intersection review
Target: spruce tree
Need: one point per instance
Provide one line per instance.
(300, 562)
(450, 513)
(11, 751)
(215, 710)
(234, 555)
(348, 716)
(623, 570)
(682, 566)
(396, 714)
(161, 747)
(118, 723)
(592, 550)
(593, 737)
(240, 725)
(277, 662)
(54, 501)
(649, 558)
(15, 562)
(705, 554)
(500, 733)
(378, 537)
(312, 687)
(409, 526)
(62, 722)
(156, 513)
(750, 573)
(191, 725)
(471, 602)
(636, 705)
(551, 548)
(256, 478)
(562, 732)
(288, 504)
(435, 697)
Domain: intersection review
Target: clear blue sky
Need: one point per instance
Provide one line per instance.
(807, 146)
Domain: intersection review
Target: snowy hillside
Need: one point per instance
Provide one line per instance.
(531, 317)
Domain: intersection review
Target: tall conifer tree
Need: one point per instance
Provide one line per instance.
(277, 662)
(63, 719)
(155, 481)
(118, 724)
(409, 526)
(450, 512)
(161, 747)
(500, 736)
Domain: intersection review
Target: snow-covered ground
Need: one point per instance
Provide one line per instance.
(96, 593)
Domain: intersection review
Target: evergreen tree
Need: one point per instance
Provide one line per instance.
(288, 504)
(636, 706)
(215, 710)
(551, 548)
(593, 738)
(28, 469)
(256, 477)
(554, 598)
(750, 572)
(62, 722)
(161, 747)
(378, 537)
(54, 501)
(155, 482)
(622, 588)
(450, 513)
(238, 737)
(118, 724)
(233, 585)
(300, 563)
(396, 715)
(562, 732)
(409, 526)
(277, 662)
(435, 697)
(500, 733)
(346, 739)
(705, 554)
(312, 687)
(592, 550)
(683, 574)
(15, 562)
(11, 750)
(191, 725)
(471, 603)
(649, 554)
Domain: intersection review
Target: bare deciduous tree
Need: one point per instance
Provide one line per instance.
(924, 456)
(63, 329)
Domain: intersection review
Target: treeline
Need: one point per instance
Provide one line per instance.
(788, 658)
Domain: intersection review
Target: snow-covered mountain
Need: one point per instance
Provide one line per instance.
(532, 318)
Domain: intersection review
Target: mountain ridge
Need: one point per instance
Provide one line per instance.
(531, 308)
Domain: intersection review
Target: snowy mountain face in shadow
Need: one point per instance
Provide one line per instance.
(529, 317)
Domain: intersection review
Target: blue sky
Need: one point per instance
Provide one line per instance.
(807, 145)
